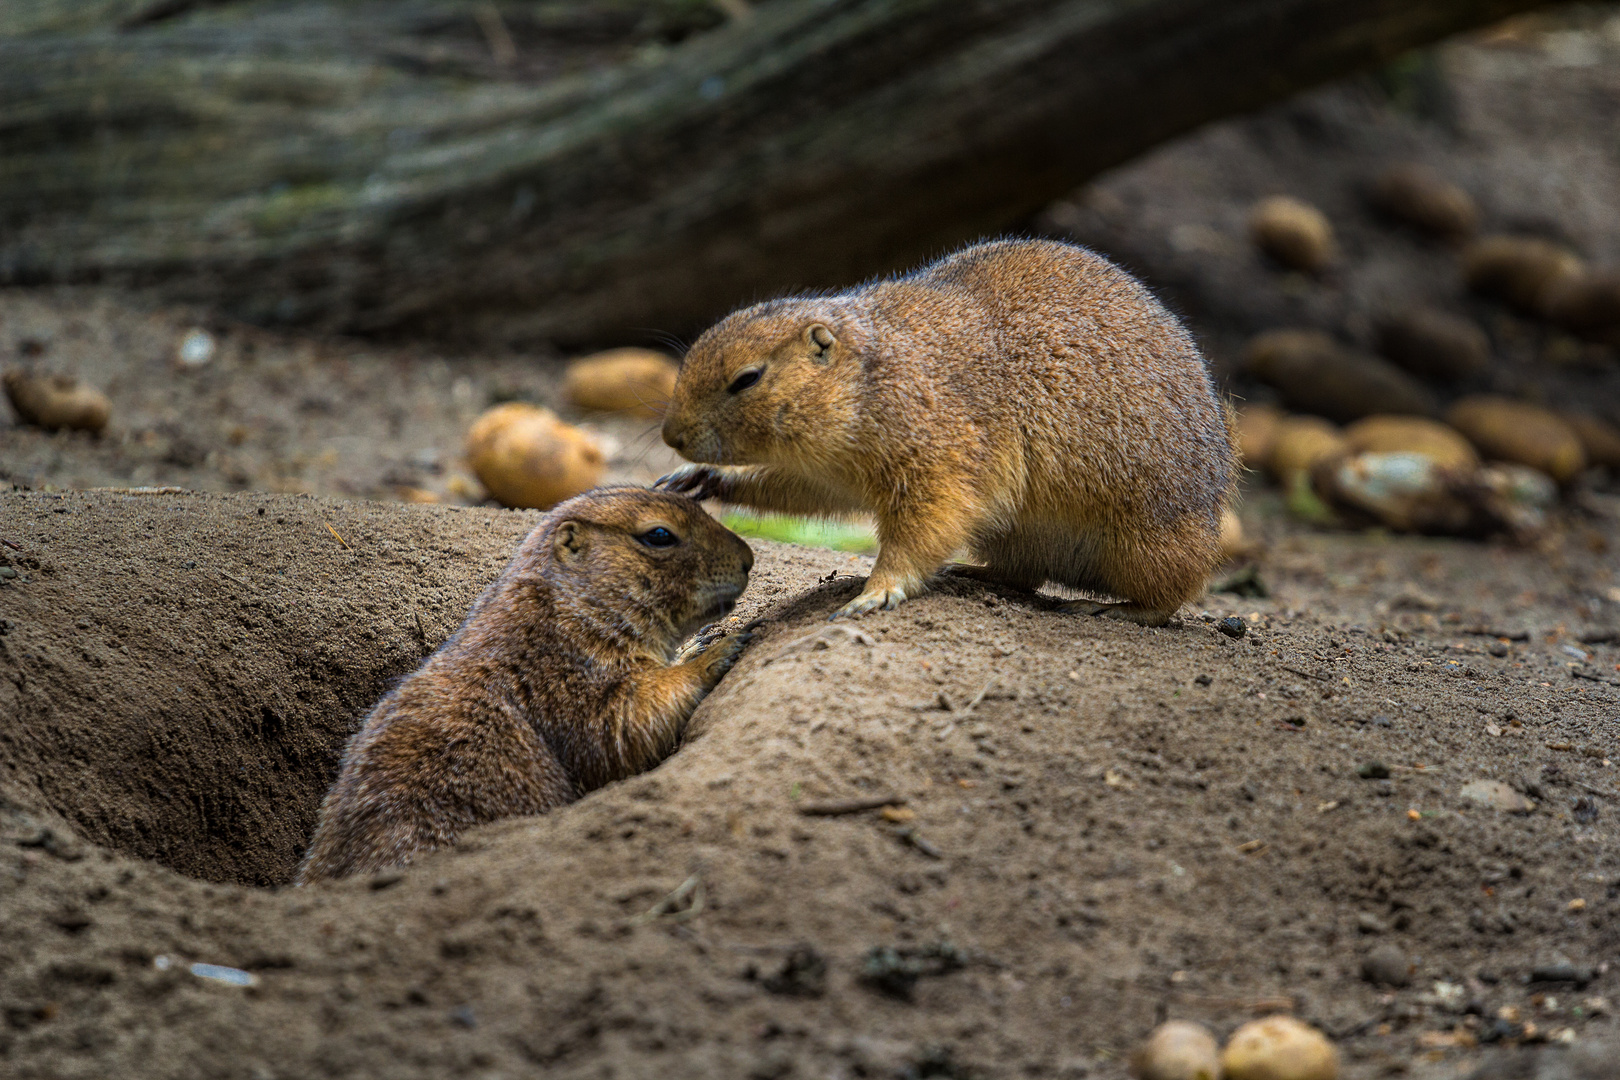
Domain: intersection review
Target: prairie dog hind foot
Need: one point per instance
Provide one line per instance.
(1126, 612)
(871, 599)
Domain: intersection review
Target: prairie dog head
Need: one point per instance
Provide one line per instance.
(650, 560)
(774, 383)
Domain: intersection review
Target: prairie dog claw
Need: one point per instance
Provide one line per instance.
(699, 481)
(871, 600)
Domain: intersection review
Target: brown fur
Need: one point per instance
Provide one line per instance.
(1027, 401)
(559, 681)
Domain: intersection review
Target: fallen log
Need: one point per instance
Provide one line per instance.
(599, 170)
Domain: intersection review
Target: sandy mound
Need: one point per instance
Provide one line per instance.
(1125, 824)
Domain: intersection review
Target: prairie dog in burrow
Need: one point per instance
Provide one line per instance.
(563, 677)
(1024, 400)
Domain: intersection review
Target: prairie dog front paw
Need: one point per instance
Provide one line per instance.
(699, 481)
(721, 654)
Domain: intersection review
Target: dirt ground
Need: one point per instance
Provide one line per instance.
(1112, 824)
(1091, 826)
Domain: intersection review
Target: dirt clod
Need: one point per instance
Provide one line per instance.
(802, 974)
(895, 970)
(1387, 965)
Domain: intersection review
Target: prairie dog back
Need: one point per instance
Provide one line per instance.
(1027, 401)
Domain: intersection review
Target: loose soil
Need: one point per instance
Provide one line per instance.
(1091, 826)
(1103, 825)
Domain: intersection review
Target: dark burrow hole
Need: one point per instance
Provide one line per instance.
(225, 790)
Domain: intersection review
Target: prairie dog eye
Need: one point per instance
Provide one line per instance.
(659, 537)
(744, 380)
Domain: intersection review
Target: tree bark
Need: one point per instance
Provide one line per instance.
(617, 167)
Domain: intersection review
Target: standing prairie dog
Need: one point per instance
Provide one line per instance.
(1026, 400)
(559, 681)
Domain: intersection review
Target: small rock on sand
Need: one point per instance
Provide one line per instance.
(1386, 965)
(1497, 795)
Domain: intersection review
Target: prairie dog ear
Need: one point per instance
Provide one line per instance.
(568, 541)
(821, 339)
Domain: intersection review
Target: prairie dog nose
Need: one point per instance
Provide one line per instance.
(673, 437)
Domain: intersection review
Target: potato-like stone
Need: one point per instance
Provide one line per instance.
(1403, 491)
(1434, 344)
(1256, 427)
(1443, 445)
(1524, 271)
(1279, 1048)
(1587, 303)
(1418, 196)
(53, 402)
(1599, 438)
(1233, 543)
(1294, 233)
(638, 382)
(1315, 374)
(527, 458)
(1301, 442)
(1506, 430)
(1177, 1050)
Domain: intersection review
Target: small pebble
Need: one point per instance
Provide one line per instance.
(1498, 796)
(196, 348)
(1386, 965)
(220, 973)
(1232, 626)
(1570, 973)
(1370, 924)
